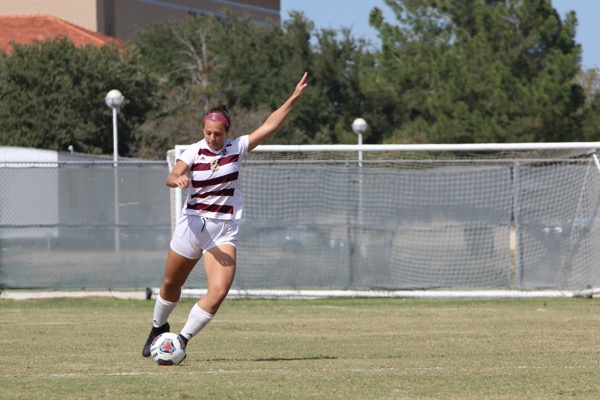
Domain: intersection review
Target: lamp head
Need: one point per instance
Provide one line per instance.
(360, 126)
(114, 99)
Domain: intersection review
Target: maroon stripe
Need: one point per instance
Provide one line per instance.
(222, 161)
(216, 181)
(222, 192)
(207, 152)
(224, 209)
(229, 159)
(200, 167)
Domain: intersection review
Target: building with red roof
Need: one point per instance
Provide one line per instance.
(26, 29)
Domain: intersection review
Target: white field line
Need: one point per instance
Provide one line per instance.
(304, 294)
(178, 371)
(48, 294)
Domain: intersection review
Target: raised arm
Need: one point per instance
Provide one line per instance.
(278, 116)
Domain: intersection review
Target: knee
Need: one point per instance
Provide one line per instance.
(171, 284)
(170, 291)
(219, 293)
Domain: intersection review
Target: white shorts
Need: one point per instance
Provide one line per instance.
(195, 235)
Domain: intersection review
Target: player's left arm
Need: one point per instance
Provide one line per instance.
(277, 117)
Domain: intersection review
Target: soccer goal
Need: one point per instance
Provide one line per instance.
(485, 220)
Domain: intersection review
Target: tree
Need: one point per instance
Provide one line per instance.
(481, 71)
(52, 96)
(589, 80)
(186, 87)
(251, 68)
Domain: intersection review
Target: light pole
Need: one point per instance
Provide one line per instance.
(360, 126)
(114, 99)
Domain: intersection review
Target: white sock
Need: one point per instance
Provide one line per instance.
(197, 320)
(162, 310)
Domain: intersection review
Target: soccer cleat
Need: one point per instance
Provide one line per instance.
(183, 340)
(153, 334)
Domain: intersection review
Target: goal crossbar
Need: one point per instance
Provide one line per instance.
(426, 147)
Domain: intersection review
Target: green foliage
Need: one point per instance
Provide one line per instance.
(481, 71)
(52, 96)
(589, 80)
(448, 71)
(252, 69)
(337, 69)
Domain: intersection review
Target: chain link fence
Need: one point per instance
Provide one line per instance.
(90, 225)
(83, 225)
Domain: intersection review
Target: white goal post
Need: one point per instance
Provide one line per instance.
(416, 220)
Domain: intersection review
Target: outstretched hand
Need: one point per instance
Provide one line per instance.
(278, 116)
(301, 85)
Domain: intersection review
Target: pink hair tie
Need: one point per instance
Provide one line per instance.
(217, 117)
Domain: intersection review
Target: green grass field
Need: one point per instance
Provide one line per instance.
(307, 349)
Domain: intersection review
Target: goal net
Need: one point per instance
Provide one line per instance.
(407, 220)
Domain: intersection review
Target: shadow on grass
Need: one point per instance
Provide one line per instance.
(274, 359)
(296, 358)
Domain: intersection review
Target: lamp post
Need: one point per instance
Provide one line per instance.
(360, 126)
(114, 99)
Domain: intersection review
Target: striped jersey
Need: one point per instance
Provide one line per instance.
(215, 191)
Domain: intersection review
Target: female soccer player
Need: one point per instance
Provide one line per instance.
(208, 225)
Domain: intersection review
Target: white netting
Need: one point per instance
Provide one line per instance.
(517, 216)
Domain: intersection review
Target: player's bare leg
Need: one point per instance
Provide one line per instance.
(177, 270)
(219, 266)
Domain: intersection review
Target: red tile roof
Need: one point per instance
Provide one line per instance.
(24, 29)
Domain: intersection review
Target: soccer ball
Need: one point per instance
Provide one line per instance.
(168, 349)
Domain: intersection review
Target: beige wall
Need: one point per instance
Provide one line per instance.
(130, 15)
(79, 12)
(121, 18)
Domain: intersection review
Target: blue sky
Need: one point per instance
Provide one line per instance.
(355, 14)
